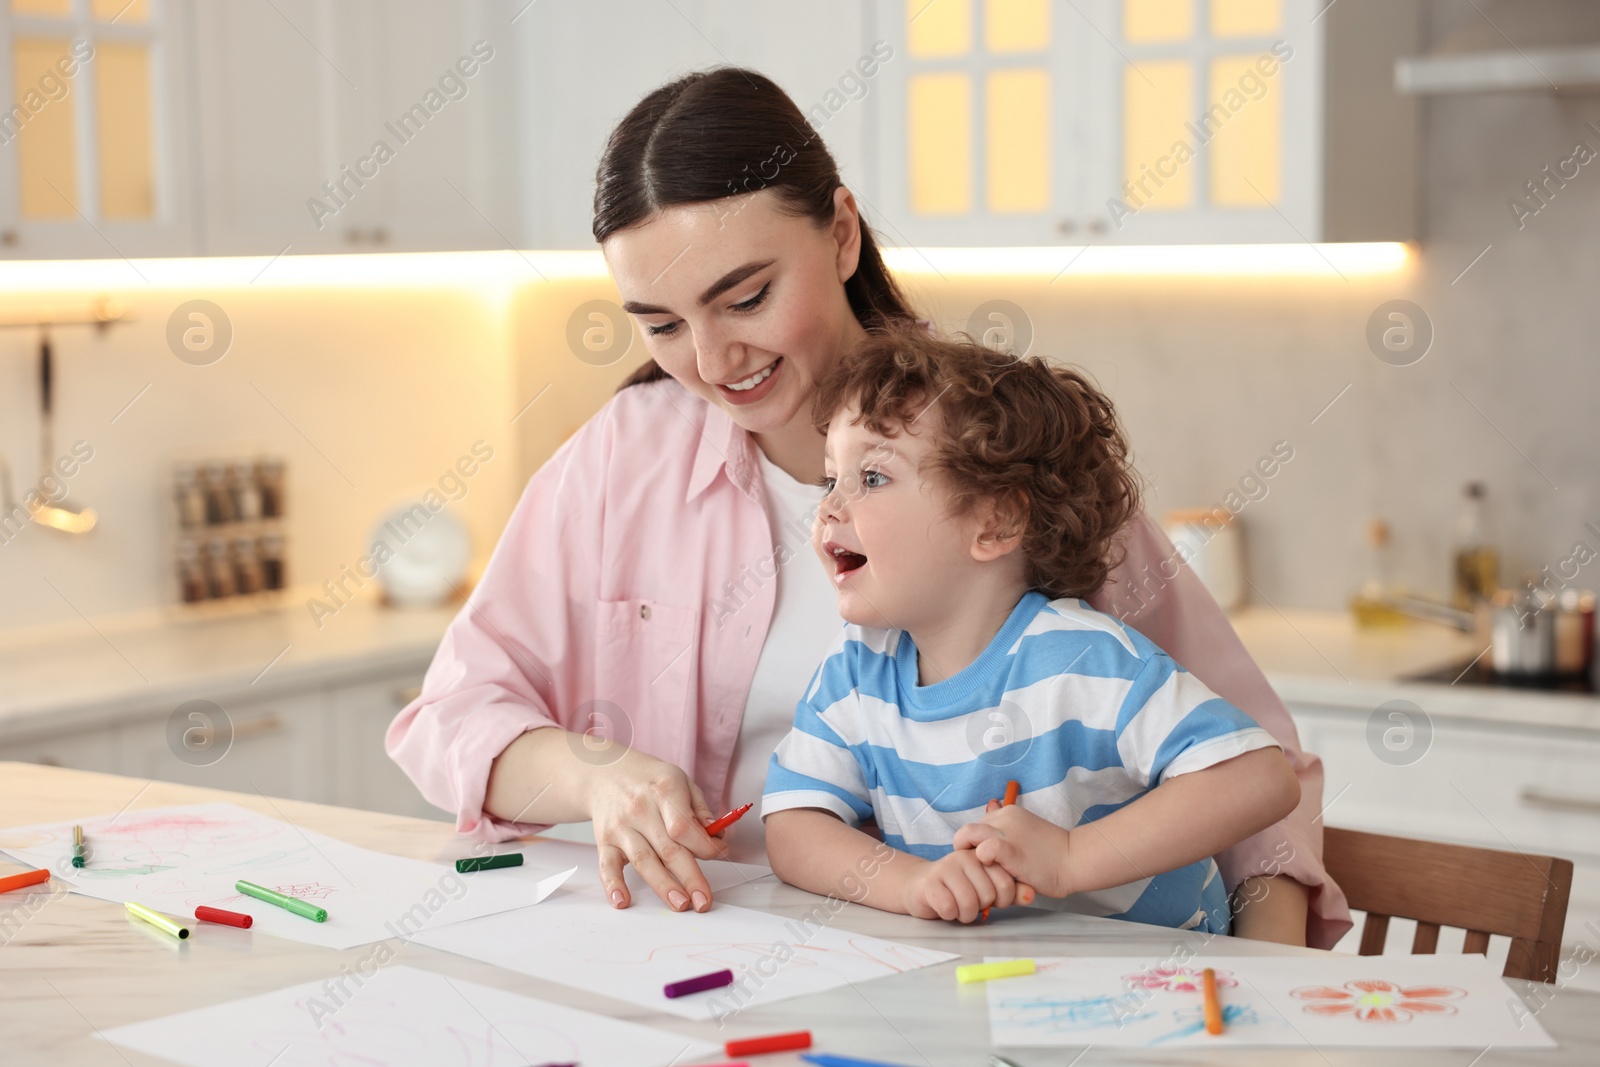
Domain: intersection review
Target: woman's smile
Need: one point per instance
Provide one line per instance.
(751, 389)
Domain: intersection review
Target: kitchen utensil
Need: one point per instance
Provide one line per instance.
(1521, 634)
(56, 514)
(1574, 631)
(431, 551)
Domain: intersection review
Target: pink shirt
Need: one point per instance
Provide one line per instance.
(630, 596)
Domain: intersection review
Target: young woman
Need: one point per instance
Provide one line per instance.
(652, 612)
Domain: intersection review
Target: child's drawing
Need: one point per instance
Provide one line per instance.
(1374, 1000)
(1191, 1021)
(1176, 979)
(1075, 1013)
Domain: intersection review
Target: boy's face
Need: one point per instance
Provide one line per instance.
(882, 530)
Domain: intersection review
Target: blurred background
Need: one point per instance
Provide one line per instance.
(284, 279)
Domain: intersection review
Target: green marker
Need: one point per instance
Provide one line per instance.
(287, 903)
(489, 863)
(77, 846)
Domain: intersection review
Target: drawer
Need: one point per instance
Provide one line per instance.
(367, 777)
(92, 749)
(1477, 785)
(278, 746)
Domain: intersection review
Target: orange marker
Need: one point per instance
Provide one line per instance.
(1013, 787)
(1213, 1005)
(17, 881)
(716, 826)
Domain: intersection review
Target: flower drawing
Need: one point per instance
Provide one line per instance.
(1175, 979)
(1375, 1000)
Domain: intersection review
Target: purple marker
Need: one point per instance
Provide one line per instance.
(696, 985)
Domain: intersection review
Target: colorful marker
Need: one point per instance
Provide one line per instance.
(17, 881)
(158, 920)
(698, 984)
(983, 972)
(1208, 978)
(716, 826)
(773, 1043)
(823, 1060)
(489, 863)
(287, 903)
(226, 918)
(1013, 787)
(77, 846)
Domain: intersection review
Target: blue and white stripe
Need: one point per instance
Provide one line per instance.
(1085, 713)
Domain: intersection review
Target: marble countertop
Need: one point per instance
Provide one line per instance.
(1324, 658)
(74, 965)
(98, 670)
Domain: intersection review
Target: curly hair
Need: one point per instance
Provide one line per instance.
(1037, 439)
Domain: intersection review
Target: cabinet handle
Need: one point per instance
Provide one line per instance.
(406, 695)
(1538, 798)
(269, 723)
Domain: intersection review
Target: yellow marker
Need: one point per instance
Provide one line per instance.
(158, 920)
(982, 972)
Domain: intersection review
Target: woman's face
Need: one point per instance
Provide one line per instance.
(742, 303)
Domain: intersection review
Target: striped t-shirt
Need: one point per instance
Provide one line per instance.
(1085, 713)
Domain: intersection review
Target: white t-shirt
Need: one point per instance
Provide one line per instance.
(805, 621)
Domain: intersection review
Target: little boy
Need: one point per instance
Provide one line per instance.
(973, 499)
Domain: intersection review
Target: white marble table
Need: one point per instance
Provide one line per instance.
(71, 965)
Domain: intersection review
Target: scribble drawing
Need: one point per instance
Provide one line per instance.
(1374, 1000)
(1176, 979)
(1192, 1021)
(307, 890)
(1076, 1013)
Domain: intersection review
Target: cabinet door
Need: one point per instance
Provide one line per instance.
(278, 747)
(87, 749)
(94, 149)
(366, 777)
(1204, 122)
(980, 123)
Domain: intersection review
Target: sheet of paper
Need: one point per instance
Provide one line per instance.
(401, 1017)
(577, 938)
(172, 859)
(1325, 1001)
(552, 854)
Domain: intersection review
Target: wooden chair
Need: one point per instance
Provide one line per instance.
(1482, 891)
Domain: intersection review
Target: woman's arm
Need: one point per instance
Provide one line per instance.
(1153, 591)
(1186, 818)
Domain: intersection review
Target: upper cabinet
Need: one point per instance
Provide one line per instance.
(1030, 122)
(93, 148)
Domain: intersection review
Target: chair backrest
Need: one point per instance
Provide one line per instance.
(1482, 891)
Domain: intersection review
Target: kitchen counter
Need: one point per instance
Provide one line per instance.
(1324, 658)
(98, 671)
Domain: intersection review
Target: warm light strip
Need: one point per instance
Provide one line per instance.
(475, 270)
(501, 271)
(1100, 261)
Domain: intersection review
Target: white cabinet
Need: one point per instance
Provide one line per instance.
(95, 147)
(85, 749)
(1040, 122)
(1471, 783)
(362, 714)
(353, 126)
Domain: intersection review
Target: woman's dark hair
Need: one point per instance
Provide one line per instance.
(720, 133)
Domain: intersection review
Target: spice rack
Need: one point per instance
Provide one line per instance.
(229, 544)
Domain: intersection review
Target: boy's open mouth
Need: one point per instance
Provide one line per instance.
(845, 560)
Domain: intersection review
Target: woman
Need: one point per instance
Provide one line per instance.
(652, 612)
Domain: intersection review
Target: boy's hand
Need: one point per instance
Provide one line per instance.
(957, 887)
(1031, 850)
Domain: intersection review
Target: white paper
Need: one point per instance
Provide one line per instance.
(1323, 1001)
(172, 859)
(578, 939)
(401, 1017)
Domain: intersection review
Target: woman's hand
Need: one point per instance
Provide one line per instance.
(649, 813)
(958, 887)
(1031, 850)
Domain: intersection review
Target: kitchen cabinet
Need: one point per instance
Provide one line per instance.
(1506, 787)
(95, 147)
(1037, 122)
(321, 742)
(353, 126)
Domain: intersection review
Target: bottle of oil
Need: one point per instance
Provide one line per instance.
(1373, 603)
(1477, 565)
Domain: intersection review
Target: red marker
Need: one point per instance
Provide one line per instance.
(226, 918)
(775, 1043)
(716, 826)
(17, 881)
